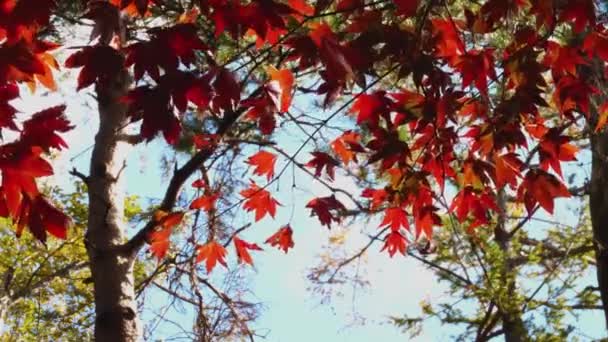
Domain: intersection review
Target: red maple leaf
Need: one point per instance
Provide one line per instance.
(265, 18)
(425, 217)
(21, 20)
(42, 128)
(8, 92)
(199, 184)
(205, 141)
(407, 8)
(40, 216)
(475, 66)
(563, 59)
(597, 43)
(212, 253)
(580, 12)
(167, 48)
(370, 107)
(205, 202)
(602, 112)
(154, 106)
(540, 187)
(395, 242)
(322, 207)
(470, 201)
(389, 148)
(227, 91)
(106, 16)
(20, 167)
(377, 197)
(447, 38)
(26, 63)
(99, 63)
(572, 93)
(262, 110)
(282, 238)
(264, 164)
(260, 201)
(302, 7)
(555, 148)
(322, 160)
(242, 250)
(395, 218)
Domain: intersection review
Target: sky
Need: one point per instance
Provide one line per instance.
(292, 312)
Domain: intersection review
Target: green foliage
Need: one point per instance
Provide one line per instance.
(45, 291)
(539, 279)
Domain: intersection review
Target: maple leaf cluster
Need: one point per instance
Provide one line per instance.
(466, 115)
(26, 59)
(451, 124)
(454, 102)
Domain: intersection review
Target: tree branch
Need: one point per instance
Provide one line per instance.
(177, 181)
(84, 178)
(228, 302)
(132, 139)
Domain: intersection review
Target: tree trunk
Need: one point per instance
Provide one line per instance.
(514, 329)
(112, 270)
(598, 204)
(512, 323)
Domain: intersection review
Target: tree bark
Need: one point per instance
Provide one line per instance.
(111, 268)
(598, 204)
(512, 323)
(598, 187)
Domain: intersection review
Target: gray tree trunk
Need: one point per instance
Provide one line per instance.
(112, 269)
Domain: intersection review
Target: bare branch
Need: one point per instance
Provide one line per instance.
(84, 178)
(132, 139)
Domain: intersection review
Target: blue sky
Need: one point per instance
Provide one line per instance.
(291, 312)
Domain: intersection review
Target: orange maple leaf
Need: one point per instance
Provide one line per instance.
(283, 81)
(260, 201)
(346, 145)
(602, 117)
(264, 164)
(159, 242)
(159, 239)
(205, 202)
(507, 168)
(212, 252)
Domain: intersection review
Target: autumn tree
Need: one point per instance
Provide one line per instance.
(446, 121)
